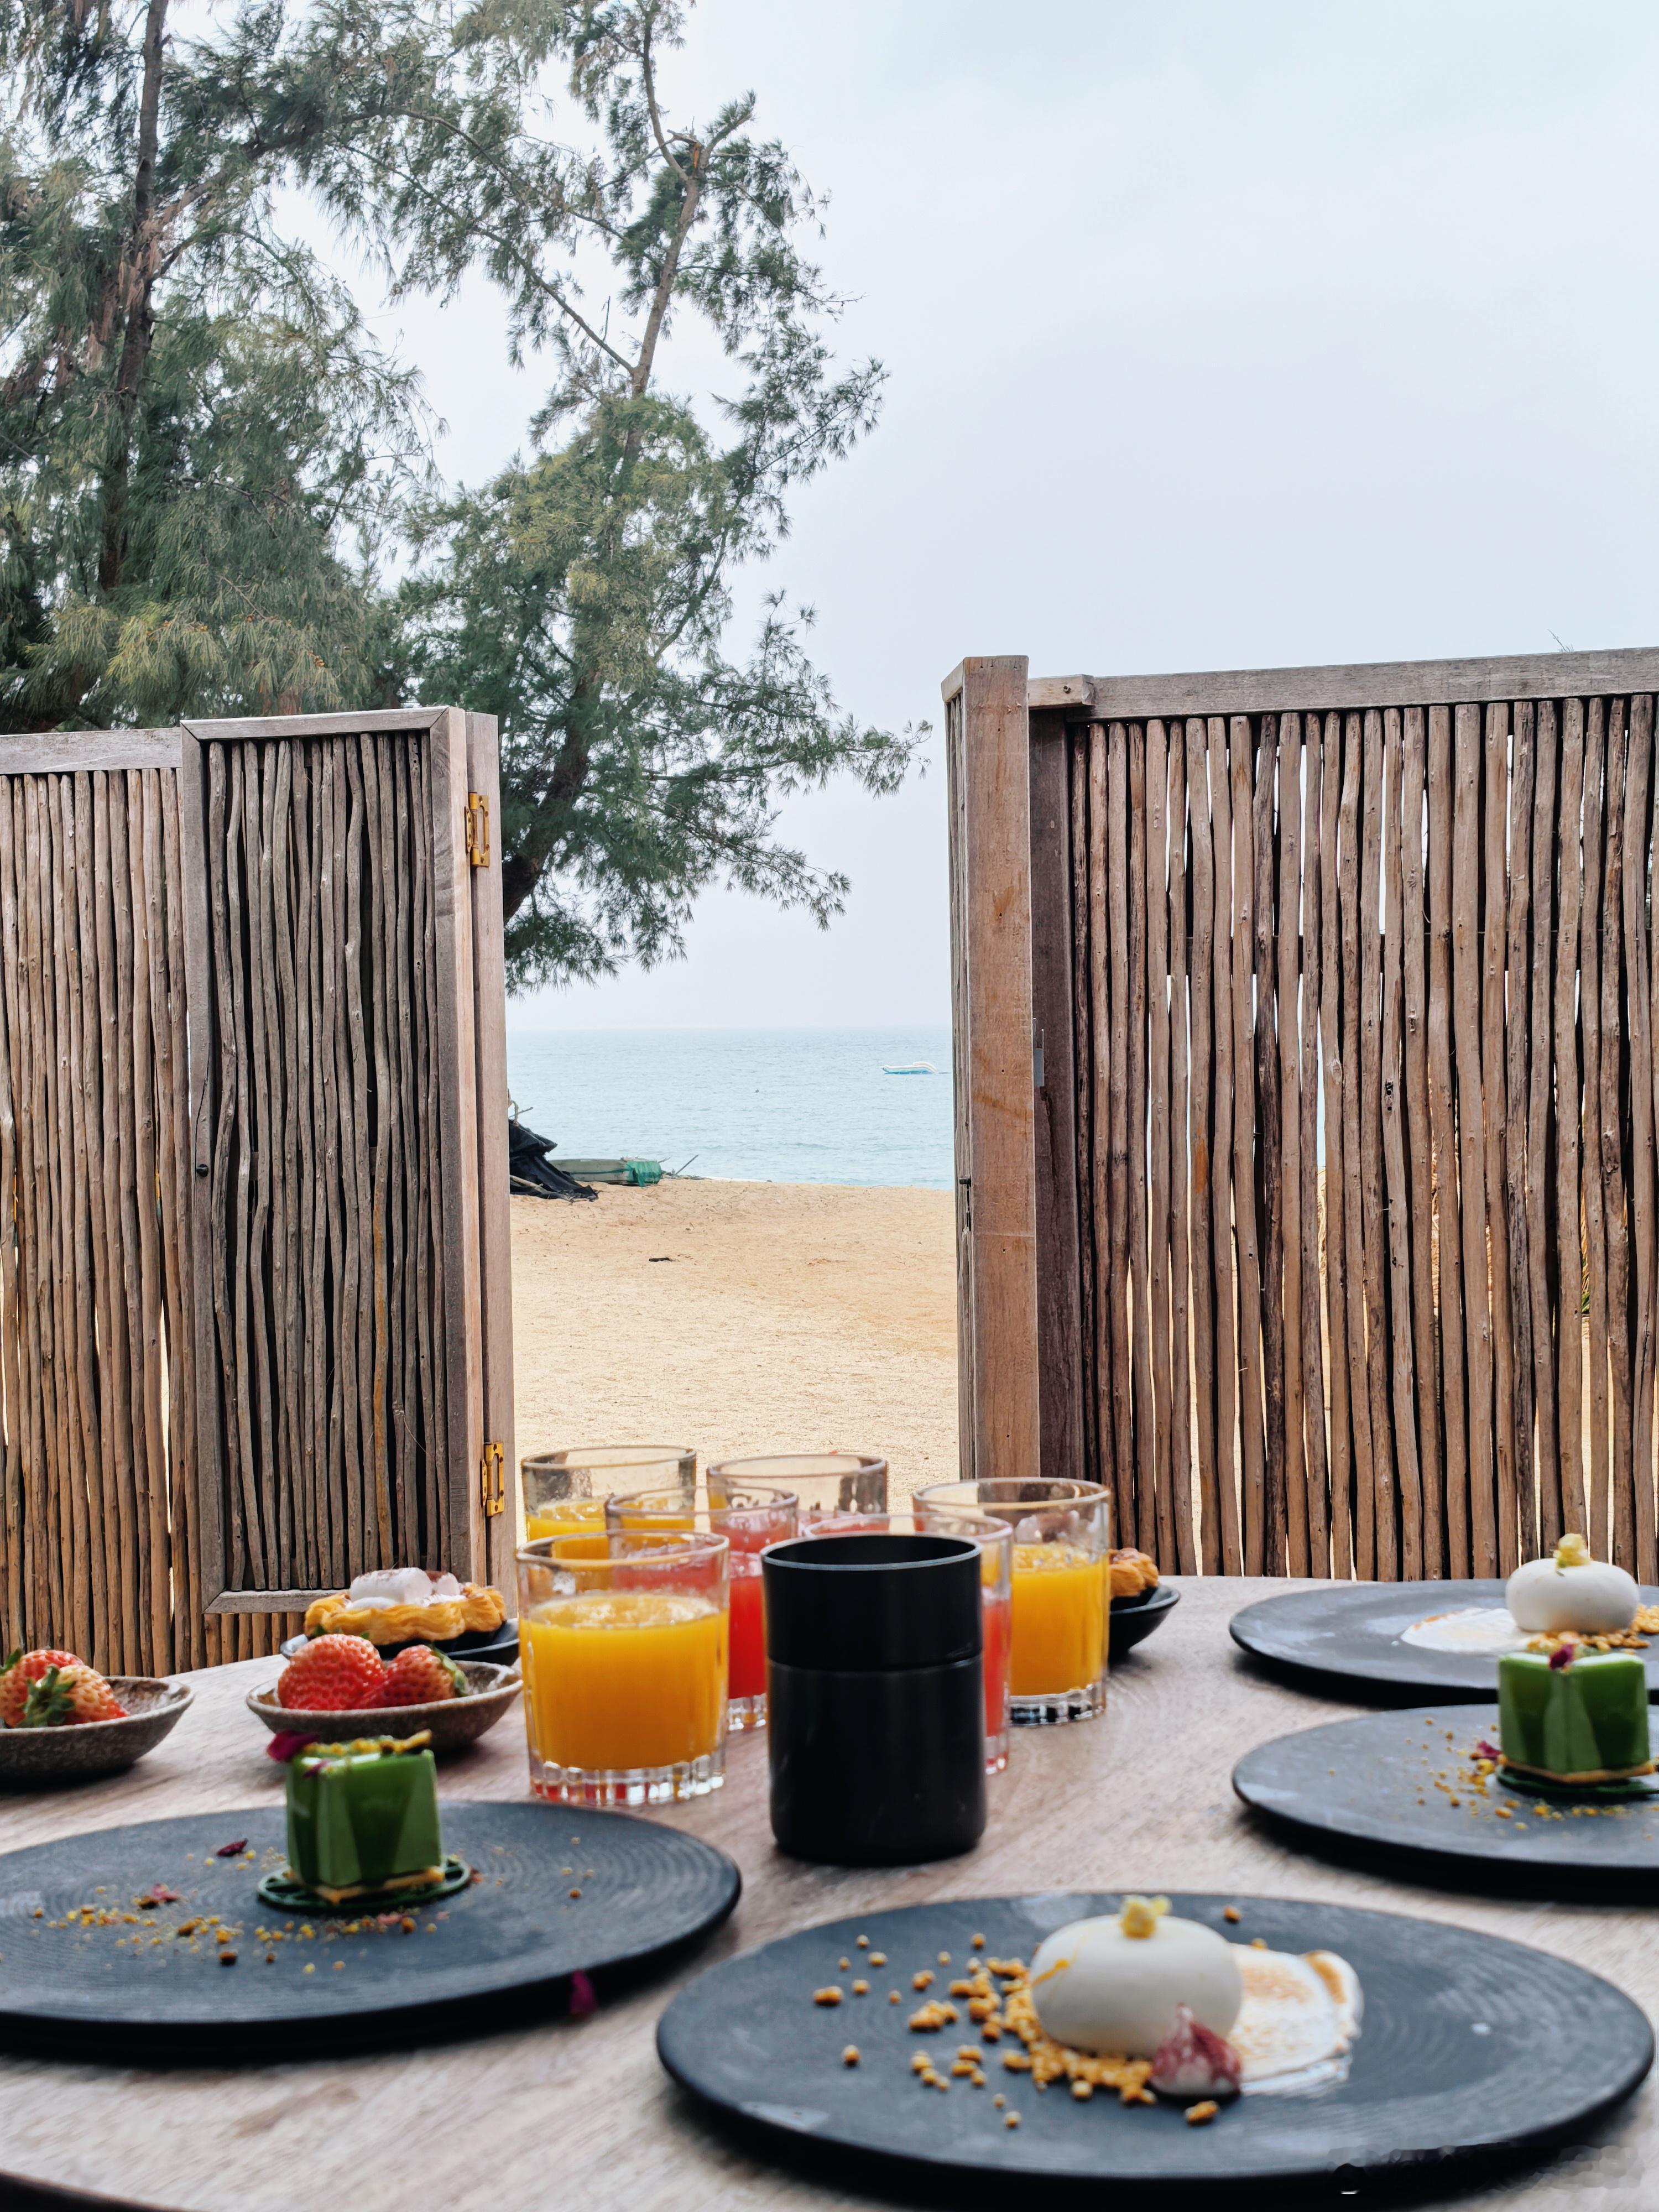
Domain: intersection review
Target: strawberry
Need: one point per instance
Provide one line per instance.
(21, 1671)
(68, 1697)
(335, 1675)
(421, 1676)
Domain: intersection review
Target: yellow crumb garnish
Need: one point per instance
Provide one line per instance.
(1140, 1915)
(1199, 2113)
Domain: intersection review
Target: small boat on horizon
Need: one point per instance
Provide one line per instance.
(911, 1067)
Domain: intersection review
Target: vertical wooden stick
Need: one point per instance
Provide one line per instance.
(1516, 1088)
(1409, 1561)
(1157, 1455)
(1205, 1151)
(1226, 1338)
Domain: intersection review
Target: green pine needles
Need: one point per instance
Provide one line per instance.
(216, 495)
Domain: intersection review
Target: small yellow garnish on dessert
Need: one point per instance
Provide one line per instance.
(850, 2055)
(1199, 2113)
(1573, 1552)
(1140, 1915)
(827, 1996)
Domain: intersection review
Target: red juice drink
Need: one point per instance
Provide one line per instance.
(748, 1674)
(998, 1635)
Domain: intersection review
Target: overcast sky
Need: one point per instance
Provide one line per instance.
(1219, 336)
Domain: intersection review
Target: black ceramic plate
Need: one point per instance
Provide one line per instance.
(137, 1991)
(1349, 1633)
(1471, 2048)
(1395, 1791)
(1133, 1618)
(499, 1646)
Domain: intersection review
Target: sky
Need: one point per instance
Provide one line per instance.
(1217, 336)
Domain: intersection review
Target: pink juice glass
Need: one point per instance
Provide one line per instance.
(839, 1493)
(996, 1540)
(750, 1517)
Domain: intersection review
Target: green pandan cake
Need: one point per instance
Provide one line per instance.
(363, 1818)
(1573, 1718)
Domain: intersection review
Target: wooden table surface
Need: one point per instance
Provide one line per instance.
(1139, 1799)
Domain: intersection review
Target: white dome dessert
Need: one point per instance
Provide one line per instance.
(1571, 1590)
(1114, 1984)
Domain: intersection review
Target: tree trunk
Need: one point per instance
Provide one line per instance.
(138, 282)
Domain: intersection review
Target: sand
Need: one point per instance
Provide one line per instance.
(740, 1317)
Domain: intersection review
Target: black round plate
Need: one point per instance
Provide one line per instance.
(504, 1947)
(498, 1646)
(1135, 1617)
(1367, 1791)
(1349, 1633)
(1471, 2048)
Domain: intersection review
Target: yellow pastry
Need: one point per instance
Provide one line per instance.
(404, 1605)
(1132, 1573)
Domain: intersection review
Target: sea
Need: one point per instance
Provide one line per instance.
(782, 1105)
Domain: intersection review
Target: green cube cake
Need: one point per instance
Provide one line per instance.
(1581, 1722)
(363, 1817)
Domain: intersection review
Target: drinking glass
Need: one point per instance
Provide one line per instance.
(840, 1492)
(564, 1491)
(1060, 1593)
(996, 1540)
(751, 1518)
(622, 1637)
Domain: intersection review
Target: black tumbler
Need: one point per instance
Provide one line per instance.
(875, 1697)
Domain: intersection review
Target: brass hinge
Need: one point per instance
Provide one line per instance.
(477, 829)
(492, 1482)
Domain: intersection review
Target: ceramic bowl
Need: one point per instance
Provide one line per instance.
(455, 1722)
(1133, 1618)
(30, 1758)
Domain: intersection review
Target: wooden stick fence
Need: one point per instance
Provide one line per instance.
(254, 1279)
(1342, 986)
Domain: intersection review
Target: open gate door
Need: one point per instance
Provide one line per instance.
(348, 1121)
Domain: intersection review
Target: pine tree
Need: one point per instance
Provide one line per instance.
(199, 439)
(583, 596)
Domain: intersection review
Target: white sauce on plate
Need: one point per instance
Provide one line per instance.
(1483, 1631)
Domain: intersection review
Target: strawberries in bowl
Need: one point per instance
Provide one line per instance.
(337, 1687)
(61, 1720)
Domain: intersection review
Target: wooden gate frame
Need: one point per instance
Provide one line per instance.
(1018, 1218)
(482, 1469)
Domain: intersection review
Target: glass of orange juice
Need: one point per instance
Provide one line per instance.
(564, 1490)
(622, 1637)
(749, 1519)
(841, 1493)
(1060, 1596)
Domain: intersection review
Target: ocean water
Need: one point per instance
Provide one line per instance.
(758, 1105)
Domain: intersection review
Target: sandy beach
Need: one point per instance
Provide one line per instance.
(740, 1317)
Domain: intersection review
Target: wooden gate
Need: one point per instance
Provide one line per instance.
(255, 1329)
(1339, 1180)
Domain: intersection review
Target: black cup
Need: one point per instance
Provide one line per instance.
(875, 1698)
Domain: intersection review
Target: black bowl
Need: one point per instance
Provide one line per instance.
(1135, 1617)
(496, 1647)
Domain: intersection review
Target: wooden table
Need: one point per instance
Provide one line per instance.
(583, 2111)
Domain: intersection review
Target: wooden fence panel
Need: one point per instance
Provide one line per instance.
(1355, 970)
(250, 1019)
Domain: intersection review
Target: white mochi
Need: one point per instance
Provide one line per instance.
(1596, 1598)
(1098, 1990)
